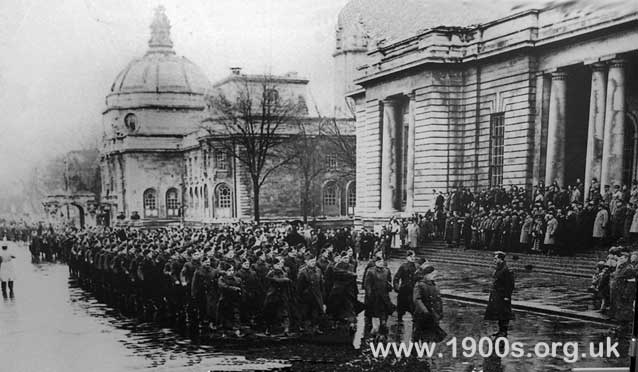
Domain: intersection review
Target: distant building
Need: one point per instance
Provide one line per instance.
(159, 166)
(476, 94)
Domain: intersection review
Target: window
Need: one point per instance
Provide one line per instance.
(172, 203)
(352, 196)
(271, 95)
(130, 120)
(190, 168)
(330, 195)
(150, 203)
(223, 198)
(331, 161)
(205, 196)
(497, 141)
(221, 161)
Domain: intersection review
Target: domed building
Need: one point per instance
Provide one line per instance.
(158, 164)
(480, 95)
(153, 103)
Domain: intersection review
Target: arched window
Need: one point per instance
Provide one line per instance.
(172, 203)
(223, 197)
(150, 203)
(190, 199)
(205, 196)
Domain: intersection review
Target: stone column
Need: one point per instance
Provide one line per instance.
(409, 206)
(543, 83)
(614, 137)
(388, 157)
(555, 162)
(595, 133)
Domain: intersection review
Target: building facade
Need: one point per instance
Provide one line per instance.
(482, 97)
(158, 165)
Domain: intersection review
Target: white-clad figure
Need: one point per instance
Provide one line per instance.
(7, 271)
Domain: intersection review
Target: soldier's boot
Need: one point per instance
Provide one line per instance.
(4, 290)
(11, 294)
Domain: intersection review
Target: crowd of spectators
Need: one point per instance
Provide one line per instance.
(555, 220)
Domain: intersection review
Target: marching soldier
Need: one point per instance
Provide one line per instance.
(404, 286)
(310, 292)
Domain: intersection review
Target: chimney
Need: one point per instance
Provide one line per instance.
(235, 70)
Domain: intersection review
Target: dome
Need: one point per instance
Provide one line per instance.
(160, 73)
(160, 70)
(396, 20)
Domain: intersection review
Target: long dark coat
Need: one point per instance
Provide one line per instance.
(277, 300)
(342, 302)
(378, 284)
(497, 307)
(428, 311)
(310, 291)
(623, 292)
(404, 285)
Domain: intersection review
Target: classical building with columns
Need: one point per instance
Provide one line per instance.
(479, 94)
(159, 165)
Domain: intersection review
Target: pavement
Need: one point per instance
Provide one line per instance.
(535, 292)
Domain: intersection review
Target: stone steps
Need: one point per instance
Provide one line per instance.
(582, 265)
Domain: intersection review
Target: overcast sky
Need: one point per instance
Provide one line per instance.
(59, 58)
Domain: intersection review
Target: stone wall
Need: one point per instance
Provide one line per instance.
(142, 171)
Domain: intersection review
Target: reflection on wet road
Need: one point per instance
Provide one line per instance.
(52, 325)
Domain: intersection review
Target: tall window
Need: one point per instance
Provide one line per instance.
(497, 141)
(172, 204)
(223, 197)
(221, 160)
(331, 161)
(330, 195)
(150, 203)
(352, 198)
(205, 196)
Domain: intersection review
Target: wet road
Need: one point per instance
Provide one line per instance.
(52, 325)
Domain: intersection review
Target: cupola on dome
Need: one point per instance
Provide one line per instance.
(160, 70)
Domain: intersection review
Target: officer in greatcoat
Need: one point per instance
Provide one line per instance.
(499, 306)
(378, 284)
(404, 285)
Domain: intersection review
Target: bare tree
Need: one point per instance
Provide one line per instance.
(341, 138)
(252, 122)
(315, 140)
(308, 161)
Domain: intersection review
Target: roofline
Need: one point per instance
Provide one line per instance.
(260, 78)
(155, 107)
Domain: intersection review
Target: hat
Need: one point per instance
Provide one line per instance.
(410, 252)
(378, 258)
(308, 256)
(499, 254)
(426, 268)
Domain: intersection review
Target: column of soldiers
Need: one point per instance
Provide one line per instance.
(229, 280)
(51, 247)
(614, 284)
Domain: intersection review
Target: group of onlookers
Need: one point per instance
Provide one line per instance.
(551, 220)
